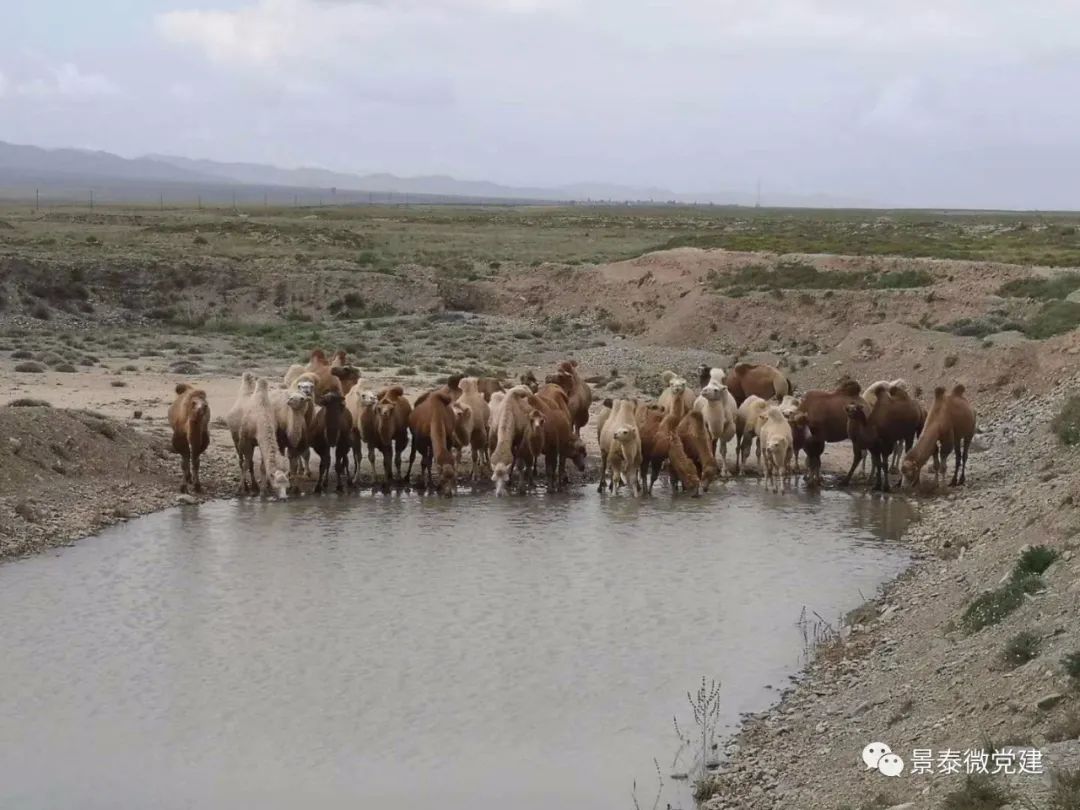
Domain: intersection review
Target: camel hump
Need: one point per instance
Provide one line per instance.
(182, 387)
(742, 368)
(318, 354)
(394, 392)
(939, 392)
(898, 391)
(454, 381)
(668, 376)
(850, 387)
(958, 390)
(443, 397)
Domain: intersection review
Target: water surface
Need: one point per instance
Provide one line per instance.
(400, 652)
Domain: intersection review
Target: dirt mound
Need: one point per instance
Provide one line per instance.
(66, 473)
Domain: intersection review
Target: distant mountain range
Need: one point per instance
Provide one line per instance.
(23, 167)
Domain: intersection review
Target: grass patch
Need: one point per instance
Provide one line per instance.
(1034, 560)
(1021, 648)
(979, 792)
(1066, 425)
(981, 327)
(1042, 289)
(1055, 318)
(803, 276)
(991, 607)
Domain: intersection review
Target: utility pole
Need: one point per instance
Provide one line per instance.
(234, 200)
(757, 198)
(199, 202)
(37, 199)
(161, 202)
(91, 199)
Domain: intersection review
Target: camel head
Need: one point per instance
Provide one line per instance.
(676, 383)
(856, 411)
(578, 455)
(297, 401)
(529, 380)
(307, 388)
(625, 434)
(447, 479)
(279, 484)
(333, 402)
(714, 391)
(349, 376)
(909, 470)
(500, 475)
(368, 399)
(536, 419)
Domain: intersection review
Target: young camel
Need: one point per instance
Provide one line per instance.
(258, 429)
(512, 419)
(189, 416)
(950, 427)
(432, 425)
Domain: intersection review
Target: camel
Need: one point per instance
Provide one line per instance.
(512, 420)
(388, 430)
(697, 443)
(578, 393)
(473, 397)
(561, 444)
(893, 419)
(291, 415)
(717, 405)
(681, 467)
(675, 387)
(747, 418)
(257, 428)
(827, 421)
(189, 417)
(950, 426)
(620, 446)
(764, 381)
(330, 434)
(432, 425)
(774, 433)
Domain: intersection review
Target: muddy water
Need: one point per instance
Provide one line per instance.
(400, 652)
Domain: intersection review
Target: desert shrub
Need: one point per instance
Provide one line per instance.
(979, 792)
(951, 361)
(1071, 664)
(65, 368)
(1034, 560)
(22, 354)
(1065, 790)
(28, 402)
(1043, 289)
(118, 384)
(200, 239)
(1065, 425)
(1067, 728)
(1055, 318)
(902, 280)
(30, 367)
(1021, 648)
(990, 607)
(406, 371)
(40, 311)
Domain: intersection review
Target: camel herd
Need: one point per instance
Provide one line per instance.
(322, 409)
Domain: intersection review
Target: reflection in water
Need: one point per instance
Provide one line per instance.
(398, 652)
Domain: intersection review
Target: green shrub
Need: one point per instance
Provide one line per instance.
(1021, 648)
(1055, 318)
(30, 367)
(406, 371)
(27, 402)
(991, 607)
(1034, 560)
(1043, 289)
(1066, 425)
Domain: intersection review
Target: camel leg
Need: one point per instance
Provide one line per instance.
(859, 456)
(185, 468)
(963, 465)
(603, 471)
(195, 459)
(957, 454)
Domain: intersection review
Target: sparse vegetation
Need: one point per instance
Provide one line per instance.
(1034, 560)
(1042, 289)
(979, 792)
(1071, 664)
(803, 276)
(1066, 424)
(1021, 648)
(1065, 790)
(30, 367)
(990, 607)
(1055, 318)
(1067, 728)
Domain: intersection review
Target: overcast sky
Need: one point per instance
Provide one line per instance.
(907, 102)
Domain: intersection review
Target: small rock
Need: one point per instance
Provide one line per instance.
(904, 806)
(1049, 701)
(137, 415)
(186, 500)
